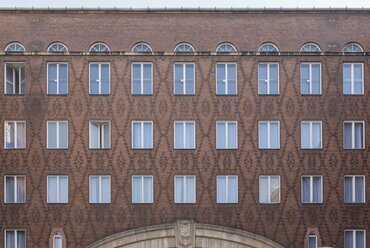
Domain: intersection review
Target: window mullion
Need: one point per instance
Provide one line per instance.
(268, 79)
(310, 77)
(184, 134)
(184, 78)
(100, 188)
(99, 78)
(16, 134)
(269, 188)
(14, 81)
(226, 78)
(58, 189)
(311, 134)
(353, 189)
(352, 78)
(16, 238)
(142, 134)
(142, 78)
(226, 134)
(15, 189)
(311, 189)
(58, 79)
(57, 134)
(268, 134)
(353, 135)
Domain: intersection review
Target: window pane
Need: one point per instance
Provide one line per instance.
(348, 239)
(22, 80)
(10, 193)
(316, 79)
(52, 79)
(264, 190)
(316, 189)
(306, 189)
(148, 136)
(94, 135)
(359, 190)
(63, 79)
(147, 79)
(94, 78)
(10, 239)
(105, 189)
(347, 135)
(9, 134)
(360, 239)
(348, 189)
(190, 142)
(231, 79)
(359, 136)
(21, 135)
(137, 135)
(52, 134)
(316, 135)
(262, 79)
(232, 136)
(105, 84)
(179, 135)
(21, 189)
(190, 189)
(221, 79)
(221, 189)
(179, 189)
(57, 242)
(21, 242)
(10, 79)
(232, 190)
(262, 135)
(274, 79)
(221, 135)
(275, 189)
(305, 79)
(305, 135)
(136, 78)
(190, 81)
(94, 187)
(63, 135)
(63, 189)
(312, 242)
(179, 83)
(274, 135)
(136, 189)
(52, 189)
(148, 189)
(346, 78)
(357, 79)
(106, 138)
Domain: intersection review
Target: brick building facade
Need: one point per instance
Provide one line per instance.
(289, 222)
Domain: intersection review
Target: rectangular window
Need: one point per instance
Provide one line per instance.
(310, 78)
(184, 79)
(14, 78)
(227, 189)
(57, 78)
(15, 135)
(226, 135)
(185, 189)
(269, 189)
(269, 134)
(311, 135)
(268, 79)
(142, 189)
(99, 79)
(226, 79)
(15, 189)
(354, 239)
(353, 135)
(100, 189)
(354, 189)
(15, 238)
(312, 241)
(57, 189)
(312, 189)
(99, 135)
(57, 134)
(142, 134)
(142, 79)
(184, 135)
(353, 79)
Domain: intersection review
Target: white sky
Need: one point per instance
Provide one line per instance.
(185, 3)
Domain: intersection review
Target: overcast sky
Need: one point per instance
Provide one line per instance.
(185, 3)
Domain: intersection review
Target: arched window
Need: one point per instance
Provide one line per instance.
(353, 48)
(310, 48)
(312, 240)
(142, 48)
(15, 47)
(99, 48)
(57, 47)
(226, 48)
(268, 47)
(184, 48)
(57, 240)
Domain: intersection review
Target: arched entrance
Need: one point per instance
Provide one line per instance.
(185, 234)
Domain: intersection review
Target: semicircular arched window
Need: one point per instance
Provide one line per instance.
(15, 47)
(142, 48)
(268, 47)
(226, 48)
(184, 48)
(99, 48)
(353, 48)
(57, 47)
(310, 48)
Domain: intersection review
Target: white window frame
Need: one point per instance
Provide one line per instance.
(142, 44)
(312, 235)
(269, 45)
(100, 189)
(354, 236)
(226, 80)
(268, 135)
(227, 44)
(184, 177)
(268, 78)
(16, 236)
(141, 78)
(19, 82)
(99, 77)
(311, 189)
(183, 78)
(15, 135)
(58, 45)
(15, 189)
(227, 135)
(99, 44)
(21, 50)
(310, 64)
(183, 123)
(354, 189)
(353, 78)
(353, 135)
(227, 189)
(142, 134)
(58, 83)
(310, 134)
(269, 188)
(58, 189)
(142, 189)
(101, 133)
(184, 44)
(58, 135)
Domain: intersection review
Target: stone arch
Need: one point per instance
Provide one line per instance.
(185, 234)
